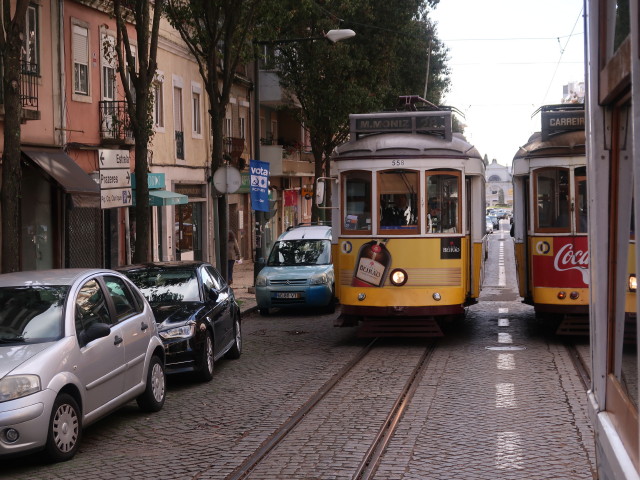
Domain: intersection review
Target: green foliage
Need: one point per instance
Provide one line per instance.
(387, 58)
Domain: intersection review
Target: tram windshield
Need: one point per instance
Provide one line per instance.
(553, 199)
(443, 197)
(398, 199)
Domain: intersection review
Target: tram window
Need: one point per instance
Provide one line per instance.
(443, 202)
(398, 200)
(581, 199)
(357, 211)
(553, 199)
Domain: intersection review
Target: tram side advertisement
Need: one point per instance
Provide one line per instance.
(560, 262)
(372, 264)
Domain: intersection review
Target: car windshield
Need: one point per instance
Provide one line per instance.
(32, 314)
(300, 252)
(167, 285)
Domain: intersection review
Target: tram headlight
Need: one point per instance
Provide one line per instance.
(398, 277)
(562, 295)
(574, 295)
(633, 283)
(361, 297)
(437, 297)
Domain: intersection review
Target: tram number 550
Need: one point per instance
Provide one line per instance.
(397, 163)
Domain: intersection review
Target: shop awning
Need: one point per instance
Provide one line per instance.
(162, 198)
(83, 190)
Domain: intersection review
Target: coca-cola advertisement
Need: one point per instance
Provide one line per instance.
(561, 262)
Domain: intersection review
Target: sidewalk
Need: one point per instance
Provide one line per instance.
(243, 286)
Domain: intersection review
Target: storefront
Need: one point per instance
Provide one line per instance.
(189, 228)
(61, 216)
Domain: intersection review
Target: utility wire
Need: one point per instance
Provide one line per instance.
(562, 50)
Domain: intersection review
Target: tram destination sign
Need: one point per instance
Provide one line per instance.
(435, 123)
(558, 122)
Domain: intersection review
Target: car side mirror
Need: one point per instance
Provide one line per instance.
(213, 294)
(95, 331)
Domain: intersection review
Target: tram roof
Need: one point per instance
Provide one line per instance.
(408, 145)
(559, 145)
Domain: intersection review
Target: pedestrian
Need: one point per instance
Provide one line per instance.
(233, 254)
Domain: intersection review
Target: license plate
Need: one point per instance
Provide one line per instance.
(288, 295)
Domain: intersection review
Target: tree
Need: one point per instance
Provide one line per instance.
(387, 58)
(137, 82)
(218, 34)
(11, 42)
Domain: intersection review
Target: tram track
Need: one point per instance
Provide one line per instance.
(578, 363)
(371, 460)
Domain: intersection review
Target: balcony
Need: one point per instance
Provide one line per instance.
(287, 162)
(28, 91)
(115, 126)
(233, 148)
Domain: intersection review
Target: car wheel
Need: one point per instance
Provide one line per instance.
(152, 399)
(236, 349)
(65, 429)
(331, 306)
(264, 311)
(205, 373)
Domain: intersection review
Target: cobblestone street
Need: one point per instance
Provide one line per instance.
(480, 411)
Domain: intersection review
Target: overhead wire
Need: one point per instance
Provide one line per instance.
(562, 50)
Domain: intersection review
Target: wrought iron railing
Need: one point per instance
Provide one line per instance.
(115, 123)
(29, 75)
(180, 145)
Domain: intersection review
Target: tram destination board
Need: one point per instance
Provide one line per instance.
(436, 123)
(556, 122)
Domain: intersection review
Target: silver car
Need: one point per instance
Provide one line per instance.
(74, 345)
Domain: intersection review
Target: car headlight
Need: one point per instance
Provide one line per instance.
(184, 331)
(17, 386)
(319, 279)
(261, 281)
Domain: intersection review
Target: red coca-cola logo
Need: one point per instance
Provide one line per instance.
(569, 259)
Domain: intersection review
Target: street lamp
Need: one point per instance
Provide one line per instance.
(333, 36)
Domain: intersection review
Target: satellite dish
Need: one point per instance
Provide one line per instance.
(227, 179)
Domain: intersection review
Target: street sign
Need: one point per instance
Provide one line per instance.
(227, 179)
(114, 159)
(115, 178)
(115, 197)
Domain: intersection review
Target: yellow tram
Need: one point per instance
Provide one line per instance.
(408, 222)
(550, 214)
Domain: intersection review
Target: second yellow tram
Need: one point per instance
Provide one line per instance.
(550, 214)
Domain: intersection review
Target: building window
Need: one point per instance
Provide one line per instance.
(31, 41)
(177, 122)
(243, 131)
(228, 130)
(197, 121)
(80, 60)
(134, 54)
(108, 47)
(158, 102)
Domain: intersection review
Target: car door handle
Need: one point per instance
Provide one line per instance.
(118, 340)
(143, 326)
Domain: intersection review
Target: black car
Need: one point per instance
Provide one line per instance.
(196, 312)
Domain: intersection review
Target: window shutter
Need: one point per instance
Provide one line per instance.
(80, 45)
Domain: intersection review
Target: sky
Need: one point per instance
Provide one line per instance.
(508, 58)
